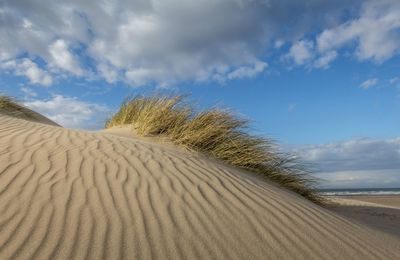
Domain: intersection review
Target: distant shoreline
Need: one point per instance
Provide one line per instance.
(361, 192)
(387, 200)
(360, 195)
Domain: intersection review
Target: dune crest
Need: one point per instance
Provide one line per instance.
(67, 194)
(10, 107)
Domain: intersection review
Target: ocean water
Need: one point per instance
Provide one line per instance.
(345, 192)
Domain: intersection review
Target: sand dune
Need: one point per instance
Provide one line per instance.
(25, 113)
(67, 194)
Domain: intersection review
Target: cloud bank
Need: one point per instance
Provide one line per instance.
(356, 163)
(166, 42)
(71, 112)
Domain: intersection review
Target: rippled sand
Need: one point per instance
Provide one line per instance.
(67, 194)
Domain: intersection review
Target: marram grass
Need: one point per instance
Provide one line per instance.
(8, 103)
(215, 132)
(10, 106)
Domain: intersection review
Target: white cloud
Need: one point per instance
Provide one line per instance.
(29, 93)
(71, 112)
(142, 76)
(140, 42)
(394, 80)
(170, 41)
(279, 43)
(369, 83)
(324, 61)
(358, 162)
(62, 57)
(356, 154)
(360, 179)
(160, 42)
(301, 52)
(107, 72)
(29, 69)
(376, 32)
(34, 73)
(248, 71)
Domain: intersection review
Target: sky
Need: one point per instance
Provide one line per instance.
(322, 78)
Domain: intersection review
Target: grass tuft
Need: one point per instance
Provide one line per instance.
(8, 103)
(10, 106)
(218, 133)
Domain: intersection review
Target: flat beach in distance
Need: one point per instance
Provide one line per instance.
(382, 200)
(380, 212)
(72, 194)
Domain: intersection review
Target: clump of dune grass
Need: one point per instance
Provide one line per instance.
(10, 106)
(151, 116)
(215, 132)
(7, 103)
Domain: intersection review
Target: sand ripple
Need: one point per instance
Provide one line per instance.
(67, 194)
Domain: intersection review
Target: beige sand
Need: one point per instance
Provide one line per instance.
(27, 114)
(385, 200)
(67, 194)
(379, 212)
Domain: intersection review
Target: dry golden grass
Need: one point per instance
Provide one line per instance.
(10, 106)
(215, 132)
(7, 103)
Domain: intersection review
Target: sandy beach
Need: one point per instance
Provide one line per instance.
(384, 200)
(381, 213)
(68, 194)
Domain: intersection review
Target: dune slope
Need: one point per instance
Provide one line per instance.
(9, 107)
(67, 194)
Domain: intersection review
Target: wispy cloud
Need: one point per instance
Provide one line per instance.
(71, 112)
(28, 92)
(375, 32)
(292, 107)
(324, 61)
(358, 162)
(369, 83)
(384, 178)
(167, 42)
(28, 68)
(394, 80)
(301, 52)
(61, 57)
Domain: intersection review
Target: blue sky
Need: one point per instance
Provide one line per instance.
(321, 78)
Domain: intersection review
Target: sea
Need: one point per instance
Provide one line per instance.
(360, 192)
